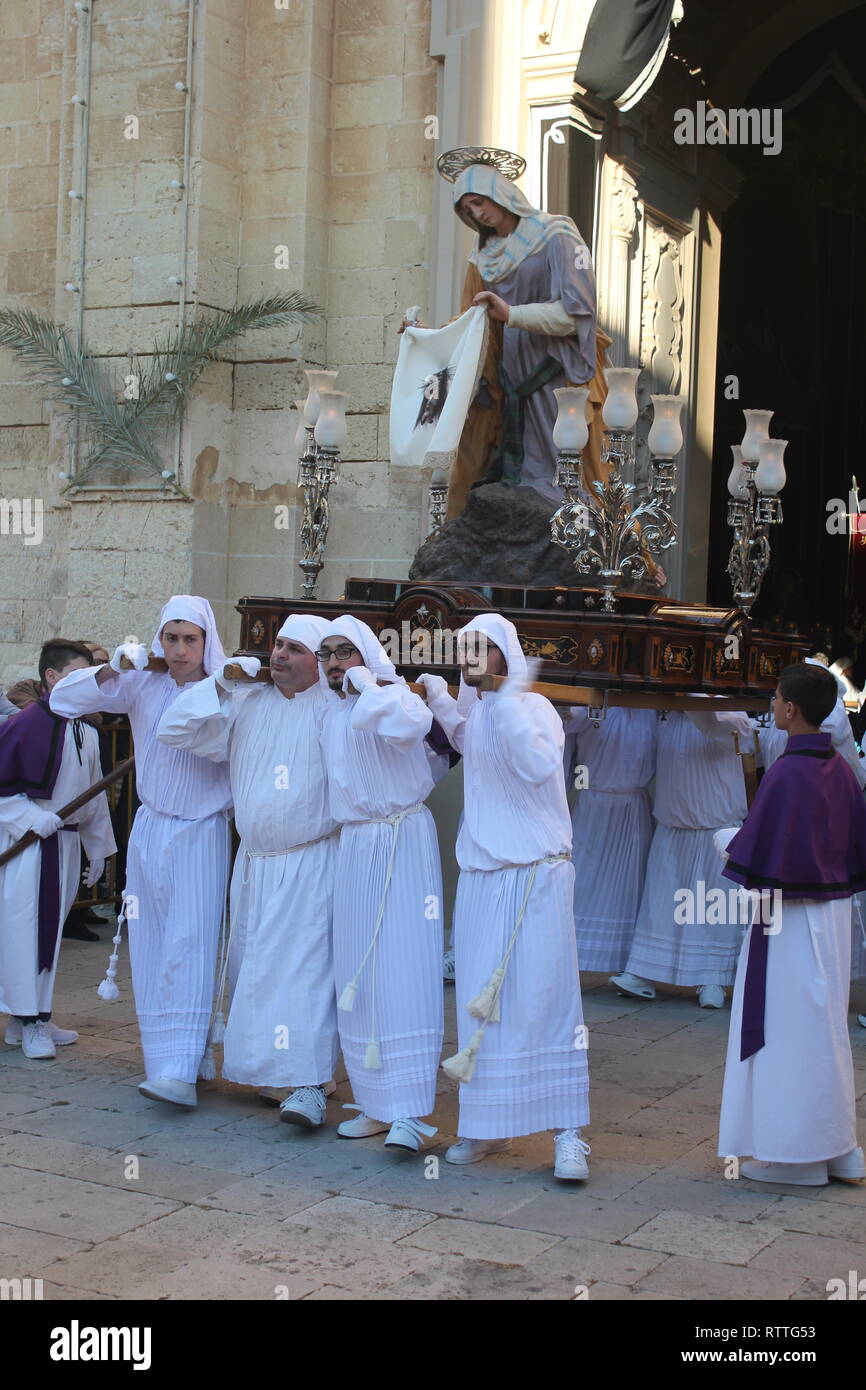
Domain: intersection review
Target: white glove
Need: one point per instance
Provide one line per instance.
(250, 665)
(516, 685)
(95, 870)
(134, 652)
(433, 685)
(44, 823)
(359, 677)
(722, 838)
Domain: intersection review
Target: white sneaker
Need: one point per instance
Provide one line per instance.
(711, 996)
(362, 1126)
(473, 1150)
(275, 1095)
(37, 1042)
(409, 1133)
(61, 1037)
(633, 985)
(803, 1174)
(305, 1106)
(570, 1155)
(175, 1092)
(449, 968)
(851, 1165)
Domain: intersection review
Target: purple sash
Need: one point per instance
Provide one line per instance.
(49, 898)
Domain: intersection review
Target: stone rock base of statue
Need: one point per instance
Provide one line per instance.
(502, 536)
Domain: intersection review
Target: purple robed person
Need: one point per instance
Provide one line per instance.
(788, 1095)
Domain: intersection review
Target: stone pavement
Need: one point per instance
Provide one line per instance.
(106, 1195)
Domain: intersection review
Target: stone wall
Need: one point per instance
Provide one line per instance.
(307, 131)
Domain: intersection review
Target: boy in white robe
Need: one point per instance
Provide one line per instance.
(282, 1025)
(788, 1096)
(689, 928)
(522, 1062)
(388, 887)
(178, 856)
(45, 762)
(611, 765)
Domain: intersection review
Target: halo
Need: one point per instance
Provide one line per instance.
(452, 163)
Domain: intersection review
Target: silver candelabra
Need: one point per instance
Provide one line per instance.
(324, 432)
(756, 479)
(598, 524)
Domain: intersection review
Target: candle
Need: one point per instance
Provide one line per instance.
(571, 431)
(665, 438)
(737, 477)
(757, 430)
(319, 381)
(770, 476)
(619, 411)
(331, 425)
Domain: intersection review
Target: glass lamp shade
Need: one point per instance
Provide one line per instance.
(300, 432)
(737, 477)
(770, 476)
(571, 431)
(330, 430)
(757, 430)
(619, 411)
(665, 438)
(318, 381)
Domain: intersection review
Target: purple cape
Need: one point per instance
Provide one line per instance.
(31, 751)
(804, 836)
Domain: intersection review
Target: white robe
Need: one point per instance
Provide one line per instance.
(531, 1070)
(282, 1027)
(793, 1101)
(176, 869)
(611, 821)
(377, 767)
(699, 789)
(23, 990)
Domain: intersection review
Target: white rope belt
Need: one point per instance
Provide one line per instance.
(485, 1005)
(346, 1000)
(291, 849)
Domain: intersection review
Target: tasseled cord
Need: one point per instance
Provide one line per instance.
(346, 1001)
(108, 990)
(216, 1033)
(485, 1005)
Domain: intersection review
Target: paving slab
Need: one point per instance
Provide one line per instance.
(712, 1280)
(480, 1240)
(68, 1207)
(709, 1238)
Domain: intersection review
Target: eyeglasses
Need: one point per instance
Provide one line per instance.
(342, 653)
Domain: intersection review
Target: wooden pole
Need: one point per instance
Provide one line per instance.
(557, 694)
(70, 808)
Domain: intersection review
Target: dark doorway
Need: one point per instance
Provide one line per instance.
(791, 329)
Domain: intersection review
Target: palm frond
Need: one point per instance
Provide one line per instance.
(125, 433)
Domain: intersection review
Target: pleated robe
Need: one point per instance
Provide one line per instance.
(611, 821)
(281, 1029)
(531, 1072)
(24, 990)
(699, 789)
(176, 869)
(377, 767)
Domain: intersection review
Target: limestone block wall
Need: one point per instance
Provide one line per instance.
(309, 169)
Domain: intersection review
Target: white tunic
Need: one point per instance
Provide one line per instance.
(282, 1028)
(611, 821)
(176, 869)
(23, 990)
(531, 1070)
(793, 1101)
(377, 768)
(699, 789)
